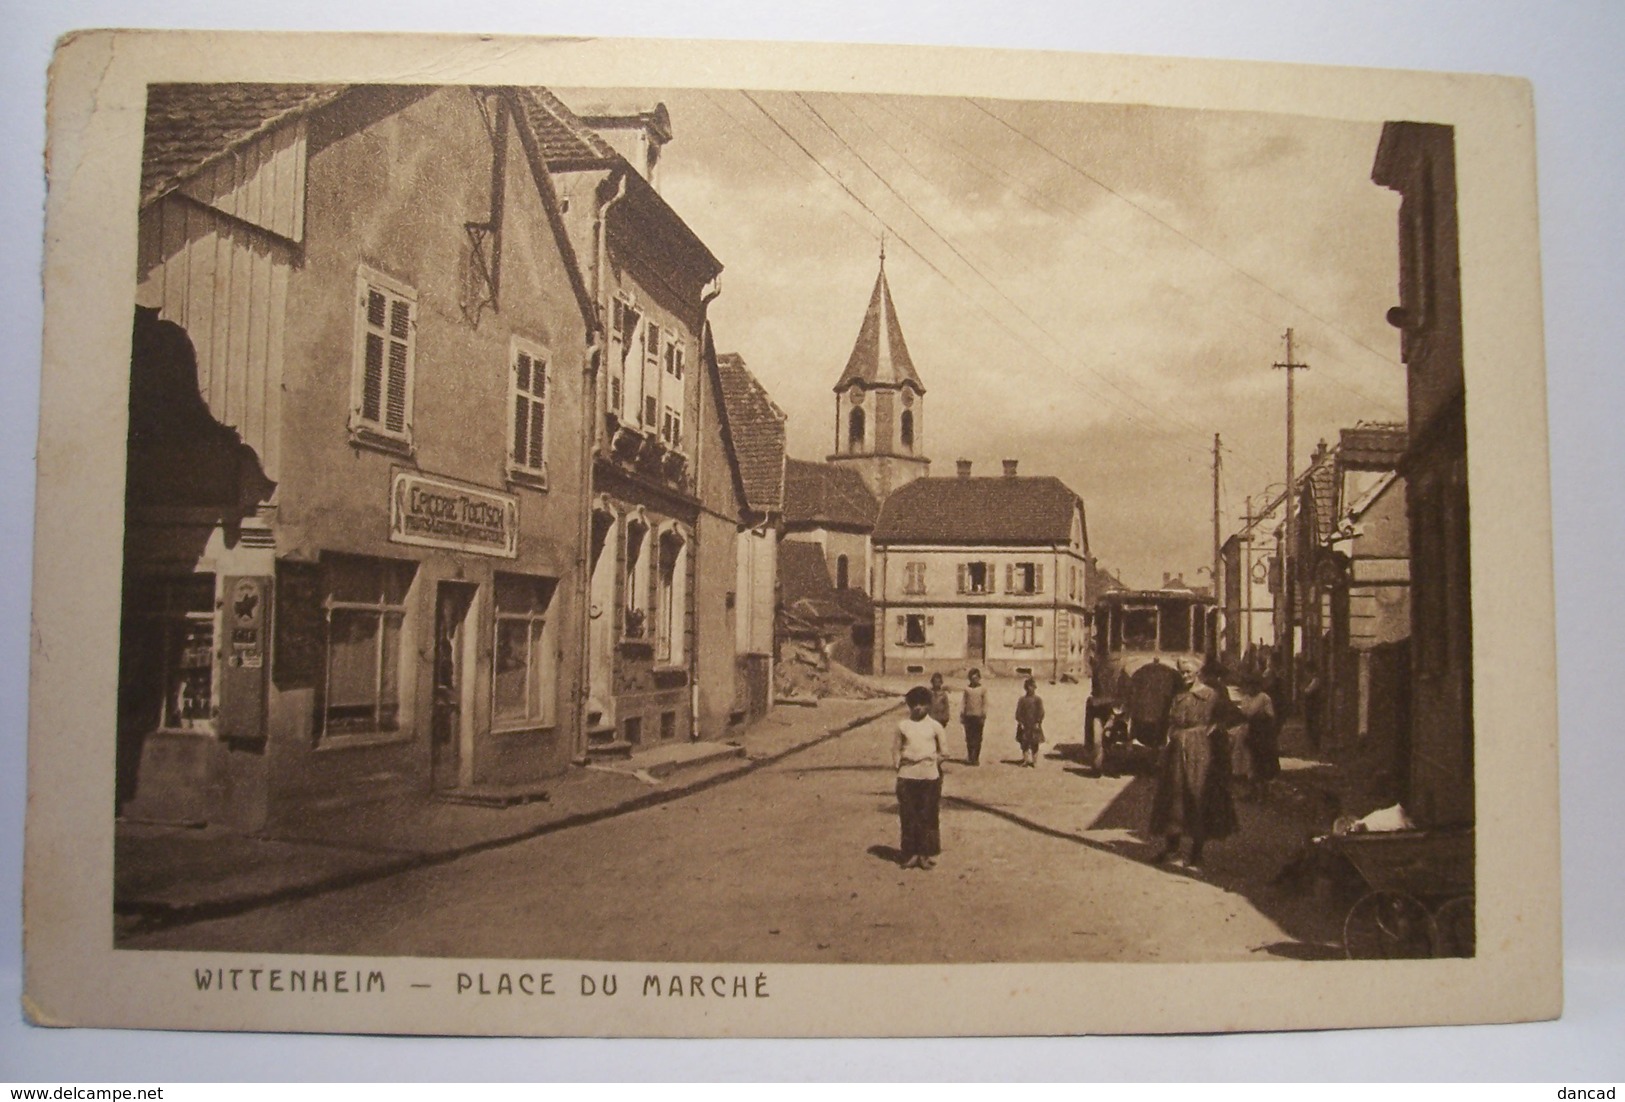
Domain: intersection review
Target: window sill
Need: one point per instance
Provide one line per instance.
(914, 646)
(527, 477)
(526, 729)
(361, 437)
(325, 743)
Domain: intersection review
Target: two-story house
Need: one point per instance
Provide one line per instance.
(353, 530)
(982, 572)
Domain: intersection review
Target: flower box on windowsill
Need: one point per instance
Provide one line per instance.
(675, 466)
(626, 443)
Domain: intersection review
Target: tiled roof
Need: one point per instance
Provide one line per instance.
(822, 494)
(880, 356)
(565, 138)
(1321, 480)
(756, 427)
(1013, 509)
(804, 585)
(190, 126)
(1372, 446)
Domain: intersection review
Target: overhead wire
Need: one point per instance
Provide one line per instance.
(903, 238)
(1183, 424)
(1040, 200)
(1161, 221)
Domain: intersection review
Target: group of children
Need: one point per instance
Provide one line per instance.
(920, 746)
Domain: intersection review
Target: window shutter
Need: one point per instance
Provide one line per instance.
(1009, 577)
(1009, 630)
(400, 332)
(1038, 622)
(1038, 578)
(963, 586)
(930, 621)
(902, 621)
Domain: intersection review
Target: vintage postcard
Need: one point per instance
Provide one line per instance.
(627, 538)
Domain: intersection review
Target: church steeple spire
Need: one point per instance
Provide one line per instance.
(879, 399)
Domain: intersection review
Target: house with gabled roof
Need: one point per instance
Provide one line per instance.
(982, 572)
(353, 524)
(753, 426)
(667, 502)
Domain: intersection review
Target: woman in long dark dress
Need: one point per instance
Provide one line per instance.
(1193, 778)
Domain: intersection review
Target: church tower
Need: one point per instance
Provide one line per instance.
(880, 401)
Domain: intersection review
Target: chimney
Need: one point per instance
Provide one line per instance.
(964, 468)
(1167, 580)
(1010, 468)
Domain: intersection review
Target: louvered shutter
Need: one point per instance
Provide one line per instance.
(1038, 578)
(1009, 631)
(400, 334)
(1009, 577)
(1038, 622)
(963, 584)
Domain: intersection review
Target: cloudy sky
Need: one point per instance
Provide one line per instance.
(1094, 290)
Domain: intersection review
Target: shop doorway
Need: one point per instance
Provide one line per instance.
(452, 737)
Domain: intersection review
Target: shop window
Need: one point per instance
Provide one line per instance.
(381, 393)
(168, 661)
(364, 605)
(527, 451)
(635, 623)
(671, 597)
(525, 681)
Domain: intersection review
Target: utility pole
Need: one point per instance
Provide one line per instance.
(1246, 557)
(1289, 548)
(1218, 594)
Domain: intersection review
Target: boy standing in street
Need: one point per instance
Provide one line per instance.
(939, 701)
(1030, 724)
(973, 714)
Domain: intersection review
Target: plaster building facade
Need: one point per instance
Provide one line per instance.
(352, 530)
(984, 572)
(1418, 161)
(666, 504)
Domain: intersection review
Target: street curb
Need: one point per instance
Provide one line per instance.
(160, 916)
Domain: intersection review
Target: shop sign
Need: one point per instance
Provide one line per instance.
(427, 511)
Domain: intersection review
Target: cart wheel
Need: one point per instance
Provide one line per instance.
(1388, 925)
(1456, 928)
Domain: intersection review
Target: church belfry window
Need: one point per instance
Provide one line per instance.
(906, 429)
(854, 428)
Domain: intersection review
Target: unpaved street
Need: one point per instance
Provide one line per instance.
(797, 862)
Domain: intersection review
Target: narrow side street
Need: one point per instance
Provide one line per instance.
(797, 863)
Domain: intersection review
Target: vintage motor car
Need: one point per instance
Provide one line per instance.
(1140, 636)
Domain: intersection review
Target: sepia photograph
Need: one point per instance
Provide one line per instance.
(476, 510)
(620, 557)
